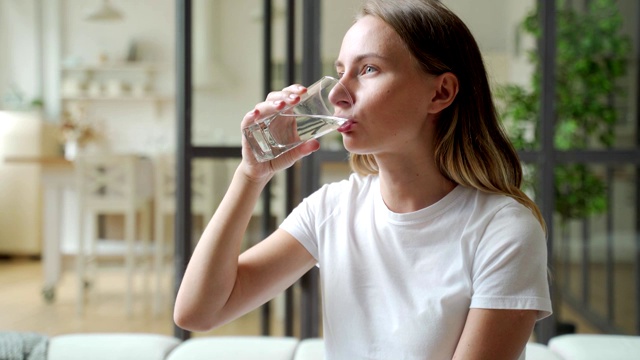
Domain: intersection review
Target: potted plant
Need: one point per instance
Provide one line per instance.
(591, 59)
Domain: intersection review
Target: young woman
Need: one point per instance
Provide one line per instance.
(429, 250)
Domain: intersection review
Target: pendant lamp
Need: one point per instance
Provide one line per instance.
(106, 12)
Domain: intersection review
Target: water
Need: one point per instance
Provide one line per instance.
(278, 134)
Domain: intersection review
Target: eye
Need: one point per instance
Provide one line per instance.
(340, 74)
(368, 69)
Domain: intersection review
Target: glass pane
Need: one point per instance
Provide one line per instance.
(624, 214)
(507, 51)
(627, 104)
(227, 70)
(596, 81)
(594, 238)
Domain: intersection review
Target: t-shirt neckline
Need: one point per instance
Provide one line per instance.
(423, 214)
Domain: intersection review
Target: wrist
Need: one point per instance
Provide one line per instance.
(244, 172)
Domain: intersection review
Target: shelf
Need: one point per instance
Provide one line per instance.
(119, 98)
(117, 67)
(157, 102)
(115, 82)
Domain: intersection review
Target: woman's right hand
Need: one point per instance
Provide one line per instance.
(275, 101)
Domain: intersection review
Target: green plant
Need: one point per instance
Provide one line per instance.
(591, 57)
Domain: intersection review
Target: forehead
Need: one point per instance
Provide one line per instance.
(371, 35)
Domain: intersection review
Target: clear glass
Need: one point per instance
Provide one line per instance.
(315, 115)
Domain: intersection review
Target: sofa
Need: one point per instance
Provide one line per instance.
(117, 346)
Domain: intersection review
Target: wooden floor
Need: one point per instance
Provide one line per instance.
(23, 308)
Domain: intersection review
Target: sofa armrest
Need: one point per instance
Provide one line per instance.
(109, 346)
(310, 349)
(535, 351)
(596, 347)
(236, 348)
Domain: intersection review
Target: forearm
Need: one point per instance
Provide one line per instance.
(212, 271)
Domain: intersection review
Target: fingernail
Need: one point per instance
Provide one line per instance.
(278, 102)
(293, 96)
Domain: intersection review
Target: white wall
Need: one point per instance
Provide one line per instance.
(19, 58)
(150, 22)
(494, 24)
(218, 110)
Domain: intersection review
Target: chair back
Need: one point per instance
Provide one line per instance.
(112, 182)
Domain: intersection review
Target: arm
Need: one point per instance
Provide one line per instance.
(219, 284)
(495, 334)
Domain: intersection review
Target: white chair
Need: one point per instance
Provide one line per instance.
(109, 185)
(208, 184)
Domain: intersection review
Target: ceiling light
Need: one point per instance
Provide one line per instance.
(106, 12)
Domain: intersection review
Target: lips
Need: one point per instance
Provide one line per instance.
(346, 127)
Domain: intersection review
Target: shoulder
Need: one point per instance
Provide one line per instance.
(502, 218)
(499, 208)
(510, 226)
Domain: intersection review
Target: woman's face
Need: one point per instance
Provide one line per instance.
(390, 93)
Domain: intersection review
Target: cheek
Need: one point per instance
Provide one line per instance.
(402, 107)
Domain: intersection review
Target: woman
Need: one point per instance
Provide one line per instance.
(430, 250)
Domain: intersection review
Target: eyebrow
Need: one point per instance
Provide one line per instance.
(359, 58)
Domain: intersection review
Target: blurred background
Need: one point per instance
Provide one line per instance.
(104, 102)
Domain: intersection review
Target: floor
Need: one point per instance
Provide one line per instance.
(24, 308)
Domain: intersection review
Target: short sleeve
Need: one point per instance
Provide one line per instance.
(300, 223)
(509, 270)
(304, 222)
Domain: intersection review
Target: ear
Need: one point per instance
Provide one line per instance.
(446, 89)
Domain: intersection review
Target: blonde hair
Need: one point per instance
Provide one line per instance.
(471, 147)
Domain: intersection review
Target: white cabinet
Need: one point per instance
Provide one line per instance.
(24, 138)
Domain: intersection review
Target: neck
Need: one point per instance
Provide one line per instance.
(411, 186)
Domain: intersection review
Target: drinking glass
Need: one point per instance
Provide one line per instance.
(315, 115)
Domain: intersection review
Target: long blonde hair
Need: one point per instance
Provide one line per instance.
(471, 147)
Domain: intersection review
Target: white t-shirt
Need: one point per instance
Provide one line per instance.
(399, 286)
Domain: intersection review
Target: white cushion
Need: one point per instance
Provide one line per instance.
(313, 349)
(536, 351)
(596, 347)
(110, 346)
(236, 348)
(310, 349)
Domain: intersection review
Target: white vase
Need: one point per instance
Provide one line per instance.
(70, 150)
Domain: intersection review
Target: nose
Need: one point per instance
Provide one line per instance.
(341, 99)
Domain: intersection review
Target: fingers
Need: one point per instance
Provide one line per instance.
(291, 91)
(275, 101)
(278, 100)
